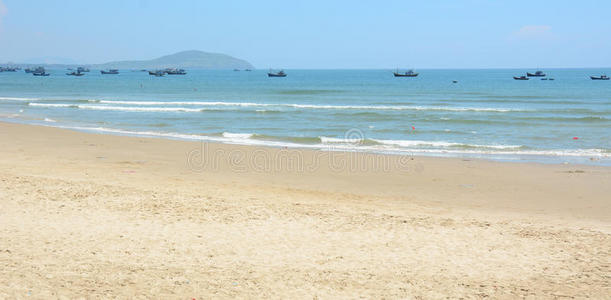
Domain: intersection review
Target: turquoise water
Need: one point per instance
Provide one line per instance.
(485, 114)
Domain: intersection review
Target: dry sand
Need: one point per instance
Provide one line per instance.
(100, 216)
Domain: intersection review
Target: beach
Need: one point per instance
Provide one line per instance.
(106, 216)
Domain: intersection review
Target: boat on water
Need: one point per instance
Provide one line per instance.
(40, 71)
(75, 73)
(536, 74)
(236, 70)
(174, 71)
(8, 69)
(601, 77)
(247, 70)
(520, 78)
(276, 74)
(409, 73)
(82, 69)
(110, 71)
(157, 73)
(35, 70)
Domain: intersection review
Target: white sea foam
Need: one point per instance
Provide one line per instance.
(145, 109)
(49, 120)
(169, 103)
(53, 105)
(441, 144)
(118, 108)
(442, 148)
(18, 99)
(237, 135)
(308, 106)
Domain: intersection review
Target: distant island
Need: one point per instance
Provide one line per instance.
(192, 59)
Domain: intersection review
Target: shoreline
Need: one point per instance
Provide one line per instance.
(259, 164)
(119, 216)
(550, 156)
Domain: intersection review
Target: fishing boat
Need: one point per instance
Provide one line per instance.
(236, 70)
(248, 70)
(77, 73)
(8, 69)
(41, 73)
(82, 70)
(110, 71)
(277, 74)
(601, 77)
(536, 74)
(157, 73)
(520, 78)
(409, 73)
(35, 70)
(175, 71)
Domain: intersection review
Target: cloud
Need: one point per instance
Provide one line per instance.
(533, 32)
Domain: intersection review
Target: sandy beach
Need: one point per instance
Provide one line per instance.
(102, 216)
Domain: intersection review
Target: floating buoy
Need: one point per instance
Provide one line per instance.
(575, 138)
(413, 128)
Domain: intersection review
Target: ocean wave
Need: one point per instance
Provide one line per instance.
(194, 103)
(18, 99)
(118, 108)
(309, 106)
(379, 146)
(237, 135)
(53, 105)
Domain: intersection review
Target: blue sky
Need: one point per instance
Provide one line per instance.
(315, 34)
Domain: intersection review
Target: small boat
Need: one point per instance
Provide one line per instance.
(43, 73)
(175, 71)
(157, 73)
(409, 73)
(77, 73)
(601, 77)
(35, 70)
(454, 81)
(110, 71)
(520, 78)
(8, 69)
(82, 70)
(536, 74)
(544, 78)
(236, 70)
(247, 70)
(277, 74)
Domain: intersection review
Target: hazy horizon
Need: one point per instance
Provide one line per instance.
(314, 34)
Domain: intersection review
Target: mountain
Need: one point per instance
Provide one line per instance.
(192, 59)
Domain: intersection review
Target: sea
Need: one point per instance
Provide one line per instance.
(457, 113)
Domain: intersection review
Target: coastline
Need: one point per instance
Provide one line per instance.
(141, 216)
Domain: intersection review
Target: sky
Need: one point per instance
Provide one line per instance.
(314, 34)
